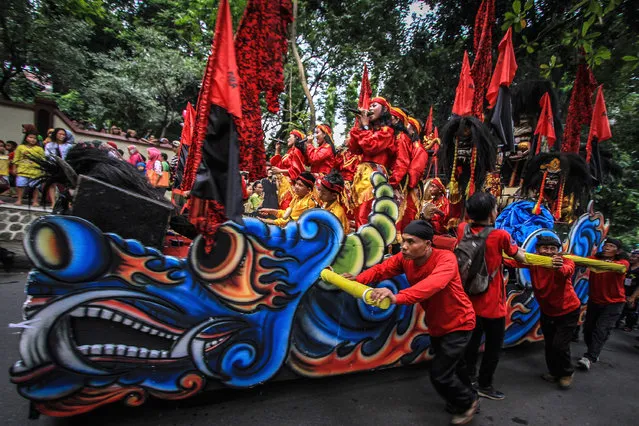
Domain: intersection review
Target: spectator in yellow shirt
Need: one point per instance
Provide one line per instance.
(330, 191)
(302, 201)
(27, 171)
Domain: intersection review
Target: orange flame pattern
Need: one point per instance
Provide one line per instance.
(129, 266)
(244, 289)
(397, 345)
(90, 398)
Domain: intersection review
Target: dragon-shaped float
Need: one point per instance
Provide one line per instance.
(108, 319)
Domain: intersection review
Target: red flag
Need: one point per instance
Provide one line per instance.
(483, 49)
(212, 170)
(186, 137)
(504, 70)
(429, 123)
(365, 91)
(579, 109)
(546, 123)
(465, 90)
(226, 84)
(599, 125)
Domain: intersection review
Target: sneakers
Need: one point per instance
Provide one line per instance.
(584, 364)
(565, 382)
(549, 378)
(490, 393)
(466, 416)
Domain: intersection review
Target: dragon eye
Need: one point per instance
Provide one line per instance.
(68, 248)
(223, 259)
(50, 247)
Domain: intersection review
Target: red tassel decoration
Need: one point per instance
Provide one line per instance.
(540, 200)
(471, 183)
(559, 202)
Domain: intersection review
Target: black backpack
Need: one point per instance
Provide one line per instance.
(471, 260)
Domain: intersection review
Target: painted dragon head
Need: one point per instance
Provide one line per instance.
(108, 319)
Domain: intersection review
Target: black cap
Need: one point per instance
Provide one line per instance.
(420, 229)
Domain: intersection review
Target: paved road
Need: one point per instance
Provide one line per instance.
(606, 396)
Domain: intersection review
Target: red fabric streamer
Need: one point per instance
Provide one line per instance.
(482, 45)
(365, 91)
(220, 86)
(261, 43)
(465, 92)
(504, 70)
(599, 125)
(546, 123)
(429, 123)
(579, 109)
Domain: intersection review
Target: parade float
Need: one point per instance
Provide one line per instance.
(109, 318)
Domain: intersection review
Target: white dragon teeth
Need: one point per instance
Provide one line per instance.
(93, 312)
(117, 318)
(127, 321)
(122, 350)
(106, 314)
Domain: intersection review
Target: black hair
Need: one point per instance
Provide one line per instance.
(547, 240)
(164, 156)
(120, 151)
(55, 132)
(14, 143)
(480, 205)
(335, 178)
(28, 133)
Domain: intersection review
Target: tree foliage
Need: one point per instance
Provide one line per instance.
(137, 63)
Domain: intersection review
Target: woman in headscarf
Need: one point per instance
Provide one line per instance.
(154, 169)
(134, 156)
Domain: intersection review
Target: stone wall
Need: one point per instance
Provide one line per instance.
(14, 220)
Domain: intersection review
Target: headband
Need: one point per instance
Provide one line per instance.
(307, 179)
(415, 123)
(398, 113)
(381, 101)
(438, 183)
(331, 186)
(298, 134)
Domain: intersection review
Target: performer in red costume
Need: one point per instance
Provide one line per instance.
(408, 167)
(321, 158)
(436, 207)
(606, 298)
(559, 305)
(435, 284)
(373, 138)
(291, 165)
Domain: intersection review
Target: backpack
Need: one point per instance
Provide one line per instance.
(471, 260)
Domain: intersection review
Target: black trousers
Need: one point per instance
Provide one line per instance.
(558, 332)
(447, 378)
(494, 329)
(600, 320)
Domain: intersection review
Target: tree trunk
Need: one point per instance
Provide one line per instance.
(300, 66)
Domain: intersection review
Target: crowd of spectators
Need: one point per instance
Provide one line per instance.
(20, 176)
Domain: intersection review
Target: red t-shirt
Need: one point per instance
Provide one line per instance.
(492, 303)
(605, 288)
(435, 285)
(553, 287)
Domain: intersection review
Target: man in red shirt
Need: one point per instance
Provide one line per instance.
(435, 284)
(606, 298)
(559, 306)
(490, 306)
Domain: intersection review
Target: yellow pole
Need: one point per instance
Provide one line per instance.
(353, 288)
(594, 265)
